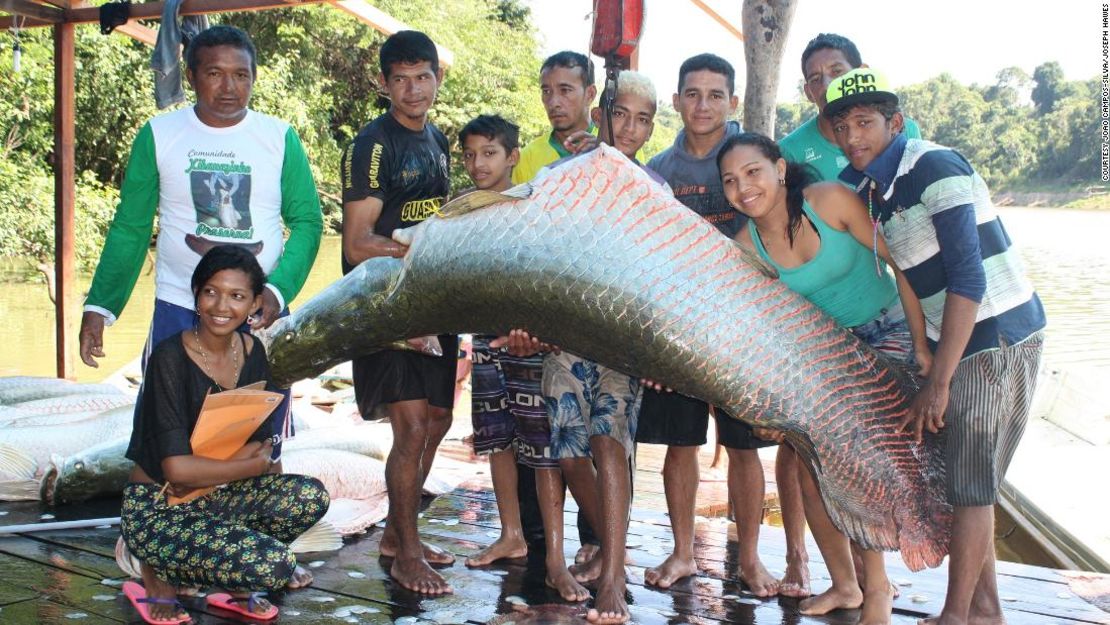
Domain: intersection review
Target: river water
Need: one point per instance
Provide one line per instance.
(1067, 255)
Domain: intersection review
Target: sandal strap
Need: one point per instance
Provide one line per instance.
(251, 599)
(161, 601)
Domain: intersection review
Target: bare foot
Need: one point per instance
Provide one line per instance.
(432, 554)
(586, 552)
(559, 578)
(163, 606)
(301, 578)
(759, 580)
(877, 607)
(832, 599)
(501, 548)
(589, 570)
(418, 576)
(610, 608)
(795, 583)
(673, 569)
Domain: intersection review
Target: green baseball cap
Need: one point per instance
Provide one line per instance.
(862, 85)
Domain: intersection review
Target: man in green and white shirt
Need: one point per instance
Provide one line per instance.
(825, 57)
(215, 173)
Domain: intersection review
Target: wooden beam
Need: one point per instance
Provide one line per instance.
(385, 23)
(64, 196)
(138, 32)
(153, 10)
(132, 29)
(35, 11)
(6, 23)
(719, 19)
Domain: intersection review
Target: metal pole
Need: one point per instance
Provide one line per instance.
(57, 525)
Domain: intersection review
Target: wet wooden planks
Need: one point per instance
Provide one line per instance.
(69, 577)
(57, 577)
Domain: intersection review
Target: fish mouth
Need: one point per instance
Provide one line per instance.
(49, 484)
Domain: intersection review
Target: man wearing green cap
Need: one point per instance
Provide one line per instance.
(983, 320)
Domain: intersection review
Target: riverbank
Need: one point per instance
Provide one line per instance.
(1090, 198)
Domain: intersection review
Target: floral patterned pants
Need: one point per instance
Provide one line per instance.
(235, 538)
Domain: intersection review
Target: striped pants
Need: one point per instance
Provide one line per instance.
(988, 406)
(235, 538)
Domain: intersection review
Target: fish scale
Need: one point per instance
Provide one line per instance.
(604, 262)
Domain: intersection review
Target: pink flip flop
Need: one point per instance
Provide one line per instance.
(141, 603)
(225, 601)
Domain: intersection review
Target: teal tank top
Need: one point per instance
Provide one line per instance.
(841, 279)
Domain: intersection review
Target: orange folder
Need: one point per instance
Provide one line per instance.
(225, 423)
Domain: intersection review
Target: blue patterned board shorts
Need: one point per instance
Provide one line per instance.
(507, 408)
(585, 399)
(889, 334)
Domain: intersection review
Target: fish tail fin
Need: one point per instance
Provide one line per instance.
(925, 528)
(919, 530)
(17, 475)
(320, 537)
(857, 520)
(16, 463)
(481, 198)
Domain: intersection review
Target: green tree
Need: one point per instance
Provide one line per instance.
(993, 135)
(1068, 151)
(1010, 89)
(496, 70)
(1049, 79)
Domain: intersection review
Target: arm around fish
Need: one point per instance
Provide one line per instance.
(359, 240)
(842, 209)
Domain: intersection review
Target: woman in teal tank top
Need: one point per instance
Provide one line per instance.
(821, 241)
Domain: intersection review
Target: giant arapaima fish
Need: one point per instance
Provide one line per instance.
(603, 261)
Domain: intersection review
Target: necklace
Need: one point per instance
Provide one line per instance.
(874, 227)
(204, 357)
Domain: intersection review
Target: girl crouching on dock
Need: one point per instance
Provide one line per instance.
(235, 537)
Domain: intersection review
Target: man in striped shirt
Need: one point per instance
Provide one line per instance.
(983, 319)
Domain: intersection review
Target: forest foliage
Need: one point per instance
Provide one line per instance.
(318, 69)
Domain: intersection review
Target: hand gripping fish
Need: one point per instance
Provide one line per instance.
(604, 262)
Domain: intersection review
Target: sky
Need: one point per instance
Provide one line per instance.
(908, 40)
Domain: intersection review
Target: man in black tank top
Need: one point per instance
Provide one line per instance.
(395, 175)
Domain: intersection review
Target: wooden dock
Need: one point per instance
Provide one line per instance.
(70, 577)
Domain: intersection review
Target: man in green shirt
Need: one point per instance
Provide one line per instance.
(215, 173)
(826, 56)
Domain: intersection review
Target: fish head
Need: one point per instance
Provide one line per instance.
(99, 470)
(353, 317)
